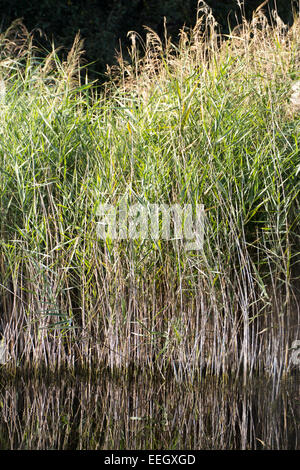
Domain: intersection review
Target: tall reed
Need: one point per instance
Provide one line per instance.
(206, 121)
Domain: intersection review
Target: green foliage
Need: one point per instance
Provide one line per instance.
(192, 123)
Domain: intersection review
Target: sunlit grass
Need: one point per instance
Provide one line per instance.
(201, 122)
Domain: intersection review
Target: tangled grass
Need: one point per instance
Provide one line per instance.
(213, 121)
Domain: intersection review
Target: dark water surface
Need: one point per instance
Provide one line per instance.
(142, 413)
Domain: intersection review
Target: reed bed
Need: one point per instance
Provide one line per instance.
(209, 120)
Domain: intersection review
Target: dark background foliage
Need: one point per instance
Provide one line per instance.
(104, 24)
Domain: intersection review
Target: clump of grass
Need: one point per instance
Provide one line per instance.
(208, 121)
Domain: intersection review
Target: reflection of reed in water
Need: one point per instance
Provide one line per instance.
(148, 415)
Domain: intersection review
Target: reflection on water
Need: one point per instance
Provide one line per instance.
(148, 414)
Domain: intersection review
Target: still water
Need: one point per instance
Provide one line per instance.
(142, 413)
